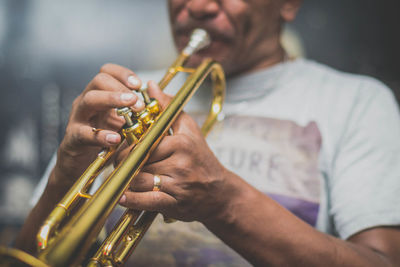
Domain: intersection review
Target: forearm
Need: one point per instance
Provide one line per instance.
(52, 194)
(266, 234)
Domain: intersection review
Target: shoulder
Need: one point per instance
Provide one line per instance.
(343, 103)
(339, 93)
(338, 83)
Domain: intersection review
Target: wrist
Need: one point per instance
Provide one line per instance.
(231, 201)
(57, 186)
(70, 165)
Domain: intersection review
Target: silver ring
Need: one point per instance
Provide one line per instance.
(157, 183)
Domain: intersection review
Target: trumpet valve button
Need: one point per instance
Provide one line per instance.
(126, 113)
(146, 118)
(134, 132)
(153, 107)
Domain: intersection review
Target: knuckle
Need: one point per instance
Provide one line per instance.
(91, 100)
(186, 143)
(106, 67)
(69, 134)
(85, 99)
(76, 101)
(156, 197)
(78, 135)
(115, 98)
(183, 166)
(100, 79)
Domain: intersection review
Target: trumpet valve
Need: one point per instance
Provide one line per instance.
(126, 113)
(148, 115)
(134, 132)
(153, 107)
(133, 128)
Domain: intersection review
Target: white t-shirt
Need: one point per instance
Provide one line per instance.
(322, 143)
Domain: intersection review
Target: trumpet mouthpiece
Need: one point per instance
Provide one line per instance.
(198, 40)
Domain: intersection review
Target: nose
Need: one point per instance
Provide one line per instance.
(201, 9)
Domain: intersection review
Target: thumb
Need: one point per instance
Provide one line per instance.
(154, 91)
(184, 122)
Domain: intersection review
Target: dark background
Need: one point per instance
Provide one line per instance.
(50, 50)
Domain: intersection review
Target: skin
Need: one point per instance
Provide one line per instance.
(245, 38)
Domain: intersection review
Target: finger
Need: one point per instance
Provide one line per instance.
(112, 121)
(150, 201)
(106, 120)
(122, 153)
(122, 74)
(164, 99)
(186, 136)
(164, 150)
(145, 181)
(155, 92)
(185, 124)
(97, 100)
(106, 82)
(84, 135)
(173, 167)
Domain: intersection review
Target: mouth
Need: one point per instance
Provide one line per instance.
(219, 42)
(212, 50)
(216, 35)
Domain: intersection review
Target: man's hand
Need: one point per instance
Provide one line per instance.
(194, 183)
(195, 186)
(95, 108)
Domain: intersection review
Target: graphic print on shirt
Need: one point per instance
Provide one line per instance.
(279, 158)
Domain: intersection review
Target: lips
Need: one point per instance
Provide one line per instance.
(215, 33)
(182, 40)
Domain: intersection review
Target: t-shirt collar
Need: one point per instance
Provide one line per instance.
(256, 84)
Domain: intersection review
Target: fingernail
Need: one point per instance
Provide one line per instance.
(133, 81)
(122, 200)
(139, 105)
(127, 96)
(112, 138)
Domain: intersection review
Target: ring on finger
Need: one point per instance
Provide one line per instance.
(96, 130)
(156, 183)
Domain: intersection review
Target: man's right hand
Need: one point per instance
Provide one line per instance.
(95, 108)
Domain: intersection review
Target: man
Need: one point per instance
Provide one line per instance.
(297, 136)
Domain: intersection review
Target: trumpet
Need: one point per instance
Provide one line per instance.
(67, 243)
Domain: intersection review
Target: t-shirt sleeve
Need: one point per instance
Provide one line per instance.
(365, 184)
(39, 189)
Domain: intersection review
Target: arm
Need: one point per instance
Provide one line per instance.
(266, 234)
(195, 186)
(95, 107)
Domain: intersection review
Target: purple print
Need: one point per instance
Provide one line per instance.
(305, 210)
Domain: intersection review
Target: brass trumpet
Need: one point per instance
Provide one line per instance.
(68, 245)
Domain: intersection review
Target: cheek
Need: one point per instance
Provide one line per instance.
(237, 11)
(174, 5)
(175, 8)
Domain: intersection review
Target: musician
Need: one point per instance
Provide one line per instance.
(303, 170)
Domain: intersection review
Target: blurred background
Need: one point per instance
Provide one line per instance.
(50, 50)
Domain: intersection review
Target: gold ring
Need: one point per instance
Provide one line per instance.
(96, 130)
(157, 183)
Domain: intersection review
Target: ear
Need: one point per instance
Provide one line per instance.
(289, 9)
